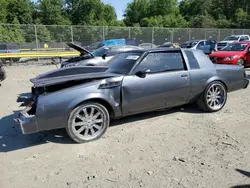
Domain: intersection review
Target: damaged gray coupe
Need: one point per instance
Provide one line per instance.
(85, 99)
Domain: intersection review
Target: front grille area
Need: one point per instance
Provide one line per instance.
(221, 45)
(215, 59)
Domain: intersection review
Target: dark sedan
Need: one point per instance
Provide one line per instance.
(84, 99)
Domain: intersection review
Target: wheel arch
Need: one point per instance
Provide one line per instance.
(112, 106)
(216, 79)
(100, 101)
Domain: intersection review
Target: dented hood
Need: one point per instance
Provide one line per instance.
(69, 74)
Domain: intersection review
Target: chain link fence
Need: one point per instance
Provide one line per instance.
(35, 36)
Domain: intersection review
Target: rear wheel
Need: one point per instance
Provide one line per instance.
(213, 98)
(88, 122)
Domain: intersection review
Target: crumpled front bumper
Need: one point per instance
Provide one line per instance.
(27, 122)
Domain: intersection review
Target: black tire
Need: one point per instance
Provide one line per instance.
(78, 137)
(202, 101)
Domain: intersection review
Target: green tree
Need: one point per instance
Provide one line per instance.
(51, 12)
(203, 21)
(3, 11)
(216, 13)
(22, 10)
(136, 11)
(154, 13)
(16, 32)
(90, 12)
(4, 34)
(241, 19)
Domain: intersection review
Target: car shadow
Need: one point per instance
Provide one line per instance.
(11, 137)
(245, 173)
(190, 108)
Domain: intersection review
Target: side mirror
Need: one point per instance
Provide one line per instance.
(142, 74)
(104, 56)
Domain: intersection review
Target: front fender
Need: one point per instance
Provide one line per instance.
(97, 96)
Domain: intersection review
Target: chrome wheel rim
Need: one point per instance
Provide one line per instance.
(216, 97)
(88, 122)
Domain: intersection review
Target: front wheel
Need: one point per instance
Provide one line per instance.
(241, 62)
(88, 122)
(213, 98)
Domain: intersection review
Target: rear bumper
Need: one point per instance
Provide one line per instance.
(27, 123)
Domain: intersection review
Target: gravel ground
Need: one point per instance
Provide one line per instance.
(180, 148)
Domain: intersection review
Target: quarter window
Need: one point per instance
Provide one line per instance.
(161, 61)
(193, 63)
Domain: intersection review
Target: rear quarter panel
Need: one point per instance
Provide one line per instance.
(233, 74)
(203, 75)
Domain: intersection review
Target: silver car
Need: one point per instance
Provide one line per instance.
(98, 57)
(84, 99)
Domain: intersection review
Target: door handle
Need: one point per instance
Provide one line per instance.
(184, 75)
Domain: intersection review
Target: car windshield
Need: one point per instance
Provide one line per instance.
(100, 51)
(123, 63)
(235, 47)
(231, 38)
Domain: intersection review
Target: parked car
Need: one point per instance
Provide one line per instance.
(2, 73)
(110, 42)
(168, 45)
(147, 45)
(132, 42)
(231, 39)
(97, 57)
(207, 46)
(237, 53)
(9, 48)
(84, 99)
(113, 42)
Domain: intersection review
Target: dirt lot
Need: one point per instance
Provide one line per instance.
(180, 148)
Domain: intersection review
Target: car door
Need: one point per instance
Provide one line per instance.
(166, 83)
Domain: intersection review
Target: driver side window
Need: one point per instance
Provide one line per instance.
(161, 61)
